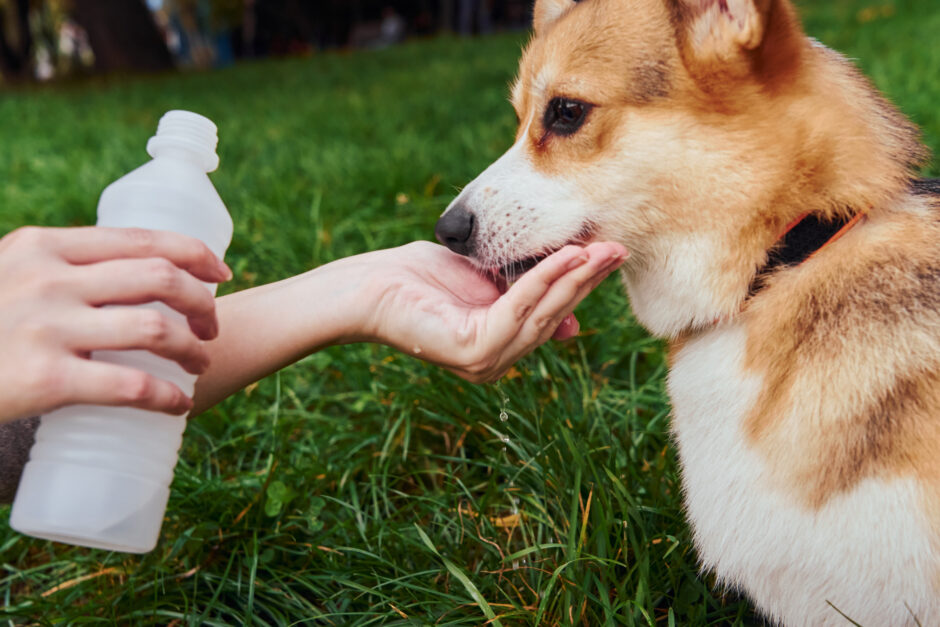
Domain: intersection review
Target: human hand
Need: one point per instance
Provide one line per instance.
(436, 306)
(53, 286)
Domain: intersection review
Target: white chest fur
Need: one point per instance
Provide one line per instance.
(866, 552)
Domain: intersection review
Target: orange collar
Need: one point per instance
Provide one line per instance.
(799, 242)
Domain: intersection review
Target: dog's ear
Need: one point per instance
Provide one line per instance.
(720, 30)
(547, 11)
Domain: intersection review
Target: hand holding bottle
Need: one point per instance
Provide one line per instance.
(99, 475)
(53, 286)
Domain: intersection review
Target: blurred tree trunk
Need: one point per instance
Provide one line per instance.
(446, 8)
(16, 40)
(122, 35)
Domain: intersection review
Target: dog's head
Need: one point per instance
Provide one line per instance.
(680, 128)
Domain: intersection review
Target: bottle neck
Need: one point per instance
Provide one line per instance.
(181, 153)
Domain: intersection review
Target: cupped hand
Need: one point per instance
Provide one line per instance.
(54, 284)
(436, 306)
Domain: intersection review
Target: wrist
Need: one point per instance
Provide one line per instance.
(346, 297)
(267, 328)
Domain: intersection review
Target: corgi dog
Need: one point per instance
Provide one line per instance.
(782, 242)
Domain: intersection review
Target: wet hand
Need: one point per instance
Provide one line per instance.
(436, 306)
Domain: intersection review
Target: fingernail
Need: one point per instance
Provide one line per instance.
(576, 262)
(568, 328)
(615, 260)
(184, 404)
(225, 271)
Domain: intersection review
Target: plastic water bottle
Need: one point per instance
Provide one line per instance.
(100, 476)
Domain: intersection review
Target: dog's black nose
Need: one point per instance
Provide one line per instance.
(454, 230)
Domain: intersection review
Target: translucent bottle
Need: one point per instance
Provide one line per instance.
(100, 476)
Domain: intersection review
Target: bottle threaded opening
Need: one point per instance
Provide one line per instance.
(188, 130)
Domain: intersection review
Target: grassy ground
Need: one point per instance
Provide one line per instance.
(360, 486)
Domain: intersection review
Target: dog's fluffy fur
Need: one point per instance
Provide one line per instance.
(807, 418)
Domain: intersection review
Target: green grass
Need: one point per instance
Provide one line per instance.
(361, 487)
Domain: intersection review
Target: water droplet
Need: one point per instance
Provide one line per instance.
(515, 564)
(503, 416)
(504, 439)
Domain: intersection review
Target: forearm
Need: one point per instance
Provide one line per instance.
(264, 329)
(419, 298)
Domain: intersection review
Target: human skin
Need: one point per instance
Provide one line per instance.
(54, 284)
(63, 294)
(421, 299)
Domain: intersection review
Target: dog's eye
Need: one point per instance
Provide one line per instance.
(564, 116)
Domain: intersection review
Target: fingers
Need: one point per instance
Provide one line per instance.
(136, 281)
(517, 304)
(86, 245)
(147, 329)
(559, 300)
(539, 306)
(58, 288)
(565, 294)
(99, 383)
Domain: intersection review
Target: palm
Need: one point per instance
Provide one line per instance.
(436, 305)
(442, 297)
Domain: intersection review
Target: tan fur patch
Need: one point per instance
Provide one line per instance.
(849, 348)
(604, 53)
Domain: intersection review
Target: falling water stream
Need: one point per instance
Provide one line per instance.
(504, 438)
